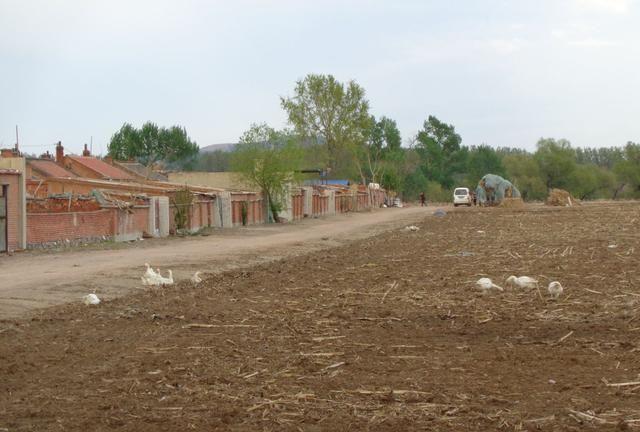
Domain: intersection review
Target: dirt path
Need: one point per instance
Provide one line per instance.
(31, 281)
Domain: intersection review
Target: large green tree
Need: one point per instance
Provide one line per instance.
(335, 114)
(151, 144)
(557, 161)
(590, 181)
(482, 160)
(628, 170)
(438, 145)
(268, 159)
(524, 172)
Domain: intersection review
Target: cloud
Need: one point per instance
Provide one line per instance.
(608, 6)
(505, 46)
(579, 37)
(592, 43)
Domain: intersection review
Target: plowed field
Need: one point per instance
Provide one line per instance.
(383, 334)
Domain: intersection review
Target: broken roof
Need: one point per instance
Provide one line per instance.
(102, 168)
(49, 168)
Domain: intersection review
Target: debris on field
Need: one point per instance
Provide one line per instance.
(440, 213)
(562, 198)
(411, 228)
(91, 299)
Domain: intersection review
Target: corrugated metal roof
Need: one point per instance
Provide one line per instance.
(49, 168)
(102, 168)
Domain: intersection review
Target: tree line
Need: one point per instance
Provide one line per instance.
(330, 127)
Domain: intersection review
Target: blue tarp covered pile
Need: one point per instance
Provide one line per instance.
(492, 189)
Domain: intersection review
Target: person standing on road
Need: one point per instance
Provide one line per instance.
(422, 199)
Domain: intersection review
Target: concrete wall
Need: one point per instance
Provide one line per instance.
(19, 164)
(12, 181)
(158, 217)
(130, 224)
(307, 204)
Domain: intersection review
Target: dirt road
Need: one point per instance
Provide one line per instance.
(30, 281)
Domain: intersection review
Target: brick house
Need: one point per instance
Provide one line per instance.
(12, 203)
(87, 166)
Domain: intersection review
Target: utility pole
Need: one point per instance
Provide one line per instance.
(17, 140)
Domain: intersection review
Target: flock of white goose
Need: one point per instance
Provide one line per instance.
(485, 284)
(149, 278)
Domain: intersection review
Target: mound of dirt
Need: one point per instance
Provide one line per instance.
(560, 197)
(512, 203)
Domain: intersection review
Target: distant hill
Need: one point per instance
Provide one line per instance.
(228, 147)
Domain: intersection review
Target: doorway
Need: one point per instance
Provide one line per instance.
(4, 233)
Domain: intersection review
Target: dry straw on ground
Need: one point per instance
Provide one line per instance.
(560, 197)
(512, 203)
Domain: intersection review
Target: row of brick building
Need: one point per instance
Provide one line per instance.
(66, 199)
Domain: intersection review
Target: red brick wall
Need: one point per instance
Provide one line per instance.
(55, 227)
(50, 227)
(319, 204)
(200, 215)
(254, 208)
(13, 208)
(297, 204)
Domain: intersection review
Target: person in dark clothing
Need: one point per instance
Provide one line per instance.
(422, 199)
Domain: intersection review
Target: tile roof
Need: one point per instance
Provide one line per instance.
(104, 169)
(49, 168)
(141, 170)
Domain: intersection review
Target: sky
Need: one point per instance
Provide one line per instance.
(503, 72)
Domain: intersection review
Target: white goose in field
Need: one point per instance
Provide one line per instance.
(91, 299)
(149, 273)
(522, 281)
(163, 281)
(196, 279)
(150, 277)
(485, 284)
(555, 289)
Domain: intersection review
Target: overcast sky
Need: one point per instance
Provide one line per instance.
(504, 72)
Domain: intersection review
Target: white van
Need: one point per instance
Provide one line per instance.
(461, 196)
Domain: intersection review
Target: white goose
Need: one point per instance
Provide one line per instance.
(150, 277)
(149, 274)
(196, 279)
(91, 299)
(485, 284)
(522, 281)
(555, 289)
(163, 281)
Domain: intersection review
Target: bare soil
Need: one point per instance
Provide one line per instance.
(386, 333)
